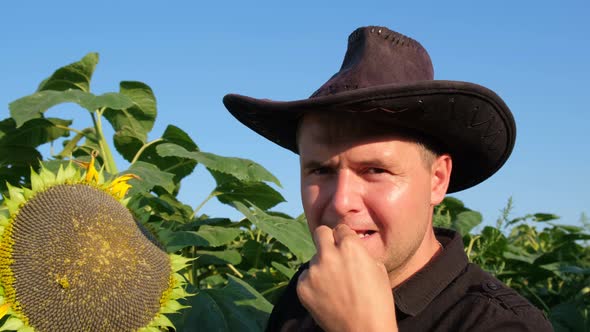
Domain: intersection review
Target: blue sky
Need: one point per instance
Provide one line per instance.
(534, 54)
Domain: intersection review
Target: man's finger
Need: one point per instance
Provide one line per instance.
(341, 232)
(323, 238)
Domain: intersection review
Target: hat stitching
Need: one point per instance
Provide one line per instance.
(379, 109)
(489, 136)
(434, 91)
(476, 112)
(397, 39)
(452, 109)
(385, 33)
(339, 87)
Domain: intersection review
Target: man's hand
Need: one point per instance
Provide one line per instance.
(345, 289)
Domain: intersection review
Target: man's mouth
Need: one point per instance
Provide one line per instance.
(364, 233)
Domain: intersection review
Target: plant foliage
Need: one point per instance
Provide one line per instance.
(545, 261)
(240, 267)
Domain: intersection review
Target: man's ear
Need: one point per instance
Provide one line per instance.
(440, 178)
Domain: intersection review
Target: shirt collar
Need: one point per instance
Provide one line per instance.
(414, 294)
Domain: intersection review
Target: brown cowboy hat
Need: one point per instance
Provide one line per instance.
(386, 72)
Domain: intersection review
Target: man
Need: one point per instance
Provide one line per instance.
(380, 144)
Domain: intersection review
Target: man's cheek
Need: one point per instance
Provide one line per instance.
(312, 208)
(309, 197)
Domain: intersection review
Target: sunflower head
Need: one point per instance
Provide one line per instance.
(73, 257)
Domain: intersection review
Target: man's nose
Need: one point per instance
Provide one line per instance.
(346, 195)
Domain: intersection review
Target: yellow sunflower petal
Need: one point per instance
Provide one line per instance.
(4, 309)
(119, 186)
(119, 190)
(91, 173)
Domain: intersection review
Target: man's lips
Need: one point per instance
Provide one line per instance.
(363, 230)
(364, 233)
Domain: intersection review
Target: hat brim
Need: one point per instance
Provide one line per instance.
(470, 121)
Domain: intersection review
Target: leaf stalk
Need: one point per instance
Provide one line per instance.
(107, 156)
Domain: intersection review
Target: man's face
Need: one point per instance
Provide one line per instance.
(378, 185)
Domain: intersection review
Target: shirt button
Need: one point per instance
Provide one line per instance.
(492, 285)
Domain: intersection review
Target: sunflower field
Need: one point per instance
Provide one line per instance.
(86, 246)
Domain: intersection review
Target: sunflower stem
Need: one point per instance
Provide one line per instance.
(534, 294)
(233, 268)
(211, 195)
(193, 274)
(470, 247)
(73, 143)
(274, 288)
(105, 150)
(142, 149)
(74, 130)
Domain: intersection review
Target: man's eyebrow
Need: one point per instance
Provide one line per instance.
(311, 164)
(375, 163)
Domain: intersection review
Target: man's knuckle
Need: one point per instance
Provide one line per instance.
(320, 230)
(348, 243)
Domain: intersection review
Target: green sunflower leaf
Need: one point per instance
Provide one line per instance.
(33, 133)
(465, 221)
(150, 176)
(18, 151)
(204, 315)
(206, 236)
(294, 235)
(243, 169)
(33, 106)
(74, 76)
(180, 167)
(288, 272)
(522, 256)
(128, 141)
(230, 189)
(208, 257)
(132, 124)
(235, 307)
(568, 316)
(16, 162)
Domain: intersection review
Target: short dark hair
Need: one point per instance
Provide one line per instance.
(355, 124)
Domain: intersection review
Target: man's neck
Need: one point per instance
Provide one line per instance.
(427, 251)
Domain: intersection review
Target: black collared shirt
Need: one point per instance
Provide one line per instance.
(448, 294)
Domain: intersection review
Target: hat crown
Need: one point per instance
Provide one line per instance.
(378, 56)
(387, 73)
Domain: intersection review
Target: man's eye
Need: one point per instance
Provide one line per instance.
(374, 170)
(321, 171)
